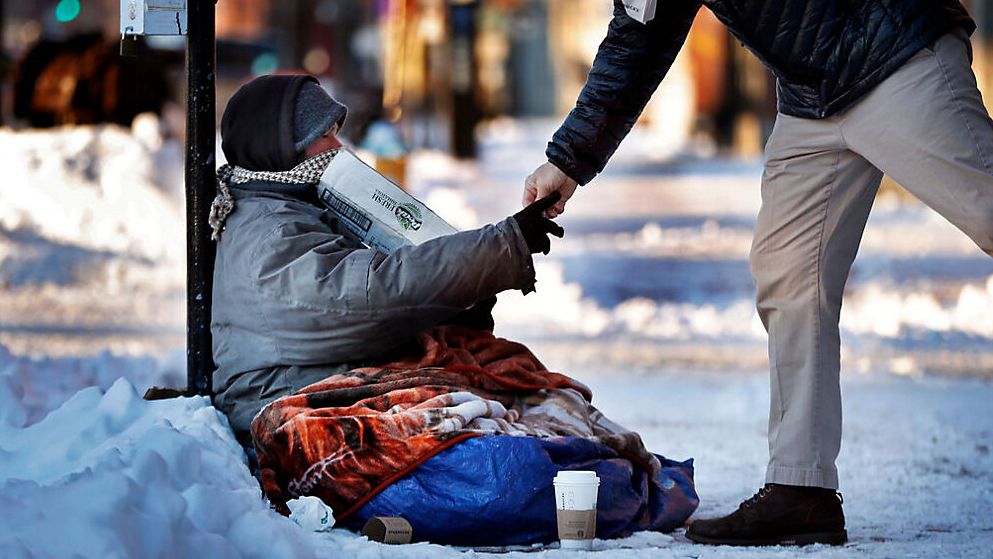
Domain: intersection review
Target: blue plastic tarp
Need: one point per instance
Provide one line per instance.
(497, 490)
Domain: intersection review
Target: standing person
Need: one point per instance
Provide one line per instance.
(864, 88)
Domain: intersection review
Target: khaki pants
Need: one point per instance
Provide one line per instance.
(926, 127)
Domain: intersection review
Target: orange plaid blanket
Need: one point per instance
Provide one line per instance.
(349, 436)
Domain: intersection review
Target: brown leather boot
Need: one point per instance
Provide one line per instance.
(778, 515)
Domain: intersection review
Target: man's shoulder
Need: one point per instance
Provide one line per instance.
(262, 214)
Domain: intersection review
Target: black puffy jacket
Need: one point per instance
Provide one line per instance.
(825, 54)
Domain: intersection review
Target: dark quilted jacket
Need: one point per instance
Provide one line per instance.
(825, 55)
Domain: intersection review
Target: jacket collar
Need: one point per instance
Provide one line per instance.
(301, 192)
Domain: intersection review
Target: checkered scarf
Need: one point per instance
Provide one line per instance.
(307, 172)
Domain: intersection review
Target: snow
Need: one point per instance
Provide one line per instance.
(114, 475)
(648, 300)
(91, 240)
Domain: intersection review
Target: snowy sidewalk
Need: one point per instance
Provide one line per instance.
(916, 465)
(115, 476)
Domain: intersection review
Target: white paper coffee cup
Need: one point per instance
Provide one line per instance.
(575, 504)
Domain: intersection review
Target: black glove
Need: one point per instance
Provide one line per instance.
(536, 227)
(478, 316)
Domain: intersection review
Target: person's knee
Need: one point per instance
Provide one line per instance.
(985, 238)
(775, 270)
(772, 264)
(786, 275)
(981, 230)
(759, 261)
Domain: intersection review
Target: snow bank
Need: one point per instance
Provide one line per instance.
(44, 383)
(93, 187)
(878, 308)
(99, 206)
(561, 309)
(110, 475)
(92, 241)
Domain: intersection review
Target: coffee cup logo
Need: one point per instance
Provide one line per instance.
(409, 216)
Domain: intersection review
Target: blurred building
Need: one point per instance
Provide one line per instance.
(436, 68)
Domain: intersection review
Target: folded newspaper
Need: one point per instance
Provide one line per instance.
(381, 214)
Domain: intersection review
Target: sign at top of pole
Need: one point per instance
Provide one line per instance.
(641, 10)
(153, 17)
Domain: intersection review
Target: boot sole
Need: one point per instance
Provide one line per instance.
(829, 538)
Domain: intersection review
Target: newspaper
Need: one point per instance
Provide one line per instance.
(375, 209)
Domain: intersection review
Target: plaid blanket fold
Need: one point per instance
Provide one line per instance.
(349, 436)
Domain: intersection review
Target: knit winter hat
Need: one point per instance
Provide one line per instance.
(270, 120)
(257, 126)
(314, 114)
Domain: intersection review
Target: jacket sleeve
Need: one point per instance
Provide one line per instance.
(454, 271)
(630, 64)
(368, 301)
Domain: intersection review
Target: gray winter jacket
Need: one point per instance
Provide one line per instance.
(297, 298)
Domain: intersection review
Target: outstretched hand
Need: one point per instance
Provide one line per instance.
(545, 180)
(535, 227)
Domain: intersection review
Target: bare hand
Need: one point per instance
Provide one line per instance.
(543, 181)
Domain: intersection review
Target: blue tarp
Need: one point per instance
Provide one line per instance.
(497, 490)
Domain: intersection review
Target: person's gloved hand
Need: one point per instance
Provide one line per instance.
(478, 316)
(536, 227)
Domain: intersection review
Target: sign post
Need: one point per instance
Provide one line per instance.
(201, 187)
(195, 19)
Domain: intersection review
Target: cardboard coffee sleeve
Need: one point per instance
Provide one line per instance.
(576, 524)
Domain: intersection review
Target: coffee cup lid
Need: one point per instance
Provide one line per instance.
(577, 476)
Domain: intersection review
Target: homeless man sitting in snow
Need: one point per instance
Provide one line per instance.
(373, 381)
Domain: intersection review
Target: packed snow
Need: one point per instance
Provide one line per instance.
(648, 300)
(115, 476)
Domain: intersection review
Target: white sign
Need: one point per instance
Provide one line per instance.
(382, 215)
(153, 17)
(640, 10)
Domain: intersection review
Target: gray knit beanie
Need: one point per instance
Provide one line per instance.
(314, 114)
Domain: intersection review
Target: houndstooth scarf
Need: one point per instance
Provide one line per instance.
(307, 172)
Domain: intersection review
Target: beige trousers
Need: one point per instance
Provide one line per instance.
(926, 127)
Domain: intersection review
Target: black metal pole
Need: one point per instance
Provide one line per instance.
(3, 68)
(201, 187)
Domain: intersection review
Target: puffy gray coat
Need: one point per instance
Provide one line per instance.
(296, 297)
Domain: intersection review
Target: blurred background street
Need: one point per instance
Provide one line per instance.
(455, 100)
